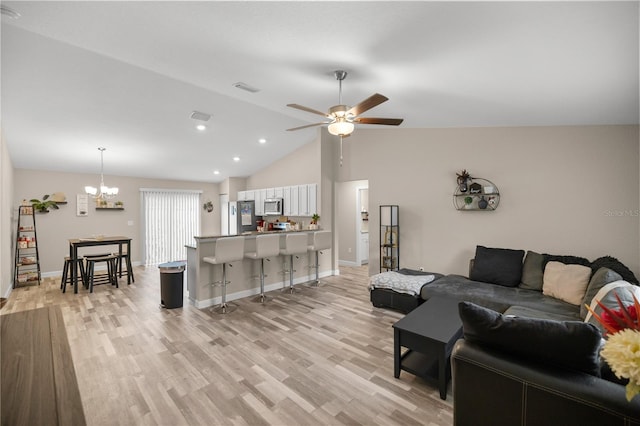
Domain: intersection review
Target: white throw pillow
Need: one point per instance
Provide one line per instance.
(566, 282)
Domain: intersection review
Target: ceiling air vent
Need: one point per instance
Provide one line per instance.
(197, 115)
(245, 86)
(7, 11)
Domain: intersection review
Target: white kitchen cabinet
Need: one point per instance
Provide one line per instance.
(303, 200)
(270, 193)
(291, 207)
(278, 192)
(260, 195)
(312, 193)
(307, 199)
(295, 204)
(249, 195)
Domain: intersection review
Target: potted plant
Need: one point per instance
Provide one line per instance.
(467, 202)
(43, 206)
(463, 178)
(314, 221)
(208, 206)
(119, 204)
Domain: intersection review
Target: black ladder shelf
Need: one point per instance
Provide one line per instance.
(27, 260)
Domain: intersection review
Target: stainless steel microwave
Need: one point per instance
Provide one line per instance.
(273, 206)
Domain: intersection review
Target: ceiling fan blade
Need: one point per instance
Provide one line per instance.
(367, 104)
(372, 120)
(307, 109)
(308, 125)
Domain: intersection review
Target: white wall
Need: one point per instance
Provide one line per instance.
(564, 190)
(7, 235)
(57, 227)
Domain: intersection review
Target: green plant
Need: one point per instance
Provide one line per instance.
(43, 205)
(315, 218)
(468, 200)
(208, 206)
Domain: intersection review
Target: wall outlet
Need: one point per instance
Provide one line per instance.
(421, 269)
(349, 250)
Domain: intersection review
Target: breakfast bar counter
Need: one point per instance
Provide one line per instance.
(244, 274)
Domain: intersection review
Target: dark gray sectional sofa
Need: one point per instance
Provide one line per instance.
(503, 299)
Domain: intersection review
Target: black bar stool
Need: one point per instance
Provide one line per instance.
(66, 273)
(111, 276)
(127, 260)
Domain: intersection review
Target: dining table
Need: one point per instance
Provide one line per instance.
(76, 243)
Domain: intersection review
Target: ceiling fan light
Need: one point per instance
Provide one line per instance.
(91, 190)
(341, 128)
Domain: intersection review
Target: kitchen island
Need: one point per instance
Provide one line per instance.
(244, 274)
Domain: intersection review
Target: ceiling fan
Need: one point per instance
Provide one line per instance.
(341, 117)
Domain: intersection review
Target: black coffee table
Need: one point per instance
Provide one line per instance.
(428, 332)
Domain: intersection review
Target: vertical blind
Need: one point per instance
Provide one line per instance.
(171, 220)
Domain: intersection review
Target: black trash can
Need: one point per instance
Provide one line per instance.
(171, 284)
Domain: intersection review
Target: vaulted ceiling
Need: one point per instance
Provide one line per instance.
(127, 75)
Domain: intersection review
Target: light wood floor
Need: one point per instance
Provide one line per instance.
(323, 356)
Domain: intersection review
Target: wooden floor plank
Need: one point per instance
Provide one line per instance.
(323, 355)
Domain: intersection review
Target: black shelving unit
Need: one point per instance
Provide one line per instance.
(27, 259)
(389, 238)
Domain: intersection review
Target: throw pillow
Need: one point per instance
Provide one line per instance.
(598, 280)
(615, 265)
(567, 260)
(607, 296)
(497, 266)
(571, 345)
(532, 271)
(566, 282)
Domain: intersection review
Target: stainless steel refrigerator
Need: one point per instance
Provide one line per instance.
(242, 217)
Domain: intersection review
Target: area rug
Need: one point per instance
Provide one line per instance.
(39, 384)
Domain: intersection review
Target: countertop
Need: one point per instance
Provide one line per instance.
(247, 234)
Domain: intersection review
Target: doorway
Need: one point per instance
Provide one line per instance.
(353, 232)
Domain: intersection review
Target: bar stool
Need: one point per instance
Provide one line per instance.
(227, 250)
(321, 241)
(127, 260)
(294, 244)
(66, 273)
(266, 246)
(111, 276)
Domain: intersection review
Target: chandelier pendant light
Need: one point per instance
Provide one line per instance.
(105, 191)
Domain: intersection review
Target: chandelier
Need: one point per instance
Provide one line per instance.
(105, 191)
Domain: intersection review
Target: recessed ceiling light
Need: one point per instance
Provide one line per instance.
(262, 140)
(236, 159)
(201, 127)
(216, 172)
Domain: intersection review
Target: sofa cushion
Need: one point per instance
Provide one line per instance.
(599, 279)
(615, 265)
(532, 271)
(523, 311)
(607, 296)
(566, 282)
(497, 297)
(497, 266)
(570, 345)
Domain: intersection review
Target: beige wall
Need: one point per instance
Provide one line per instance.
(300, 167)
(564, 190)
(7, 235)
(55, 228)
